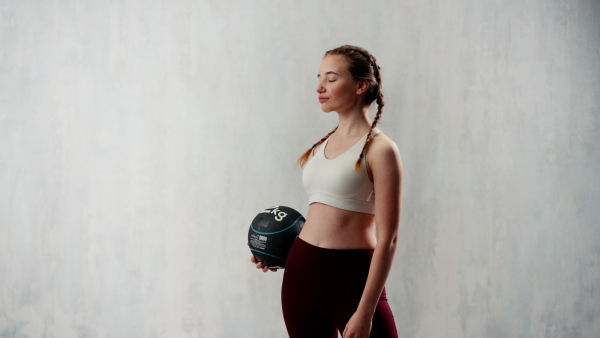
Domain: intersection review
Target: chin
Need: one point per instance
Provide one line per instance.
(326, 110)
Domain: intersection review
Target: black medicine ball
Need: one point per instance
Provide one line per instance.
(272, 233)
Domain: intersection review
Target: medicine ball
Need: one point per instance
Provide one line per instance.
(272, 233)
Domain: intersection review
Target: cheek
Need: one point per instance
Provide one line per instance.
(343, 93)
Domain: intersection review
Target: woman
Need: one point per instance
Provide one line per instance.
(336, 270)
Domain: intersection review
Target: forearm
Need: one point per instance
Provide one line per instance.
(381, 264)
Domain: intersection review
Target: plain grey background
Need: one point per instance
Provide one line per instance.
(138, 139)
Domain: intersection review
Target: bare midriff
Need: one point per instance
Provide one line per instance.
(333, 228)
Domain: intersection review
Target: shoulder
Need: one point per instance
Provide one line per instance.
(383, 154)
(382, 145)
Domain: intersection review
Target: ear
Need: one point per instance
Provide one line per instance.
(362, 87)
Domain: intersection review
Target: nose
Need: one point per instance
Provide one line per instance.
(320, 88)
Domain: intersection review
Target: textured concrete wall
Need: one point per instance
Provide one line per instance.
(139, 138)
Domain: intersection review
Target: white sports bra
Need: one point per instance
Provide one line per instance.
(335, 182)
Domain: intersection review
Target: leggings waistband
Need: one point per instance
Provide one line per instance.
(330, 250)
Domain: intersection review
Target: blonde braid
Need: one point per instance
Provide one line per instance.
(380, 104)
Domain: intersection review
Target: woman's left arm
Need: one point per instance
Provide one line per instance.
(386, 169)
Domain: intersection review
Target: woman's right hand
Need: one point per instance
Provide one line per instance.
(259, 265)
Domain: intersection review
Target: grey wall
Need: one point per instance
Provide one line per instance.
(139, 138)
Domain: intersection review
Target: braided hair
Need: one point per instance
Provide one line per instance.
(363, 66)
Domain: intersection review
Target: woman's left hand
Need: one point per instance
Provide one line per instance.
(359, 326)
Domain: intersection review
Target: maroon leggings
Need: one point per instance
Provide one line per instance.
(322, 288)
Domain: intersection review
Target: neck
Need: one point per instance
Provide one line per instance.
(353, 122)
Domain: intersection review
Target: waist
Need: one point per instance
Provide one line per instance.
(333, 228)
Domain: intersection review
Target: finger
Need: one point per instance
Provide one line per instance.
(253, 259)
(265, 269)
(274, 270)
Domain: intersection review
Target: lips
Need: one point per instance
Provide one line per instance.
(323, 99)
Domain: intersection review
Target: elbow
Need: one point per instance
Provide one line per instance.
(389, 243)
(393, 243)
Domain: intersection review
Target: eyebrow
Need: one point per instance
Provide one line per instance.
(329, 72)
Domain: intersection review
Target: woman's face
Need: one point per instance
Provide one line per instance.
(337, 90)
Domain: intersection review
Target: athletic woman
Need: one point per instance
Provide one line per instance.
(337, 268)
